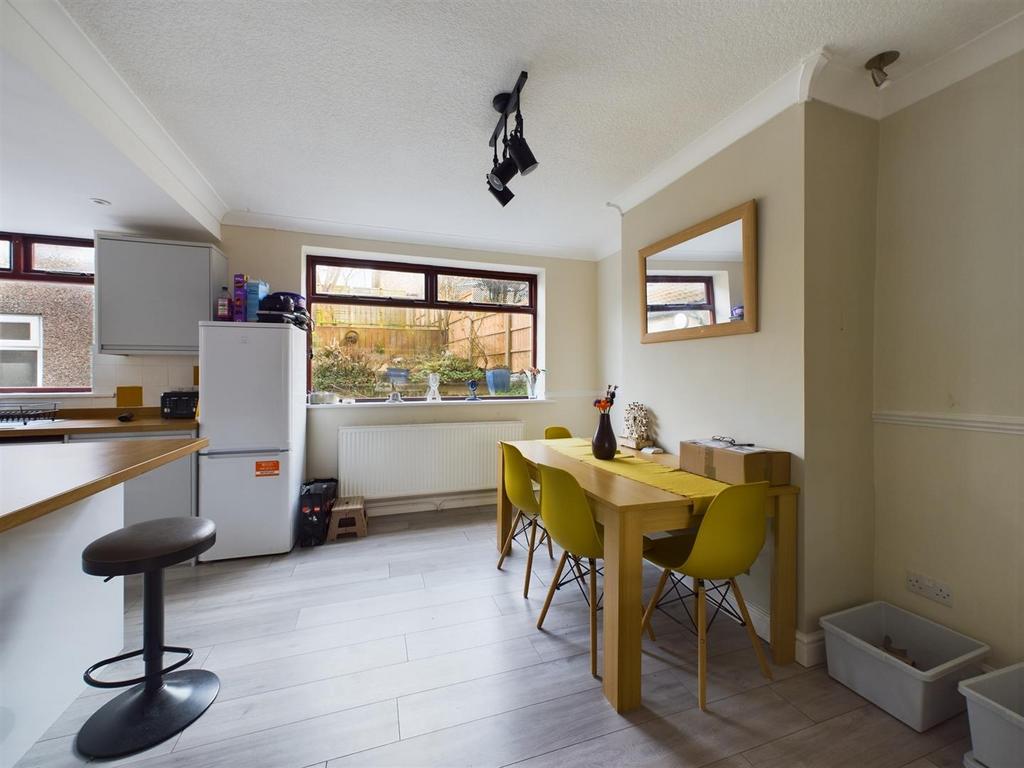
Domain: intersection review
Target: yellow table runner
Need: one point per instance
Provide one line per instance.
(696, 487)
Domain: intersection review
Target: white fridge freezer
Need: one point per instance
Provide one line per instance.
(252, 408)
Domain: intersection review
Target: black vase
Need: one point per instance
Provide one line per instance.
(603, 444)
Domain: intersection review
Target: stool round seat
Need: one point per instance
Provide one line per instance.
(149, 546)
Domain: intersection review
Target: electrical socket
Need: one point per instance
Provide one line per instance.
(928, 587)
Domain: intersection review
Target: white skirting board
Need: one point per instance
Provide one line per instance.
(810, 646)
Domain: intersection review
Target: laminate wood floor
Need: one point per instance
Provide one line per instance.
(408, 648)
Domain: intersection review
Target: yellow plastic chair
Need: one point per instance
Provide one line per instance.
(554, 433)
(519, 489)
(570, 522)
(725, 545)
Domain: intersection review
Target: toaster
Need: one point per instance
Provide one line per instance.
(179, 405)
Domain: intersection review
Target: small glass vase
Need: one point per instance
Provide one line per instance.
(531, 388)
(603, 445)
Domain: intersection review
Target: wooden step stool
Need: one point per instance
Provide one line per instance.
(348, 515)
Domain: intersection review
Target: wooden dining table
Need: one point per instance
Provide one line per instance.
(629, 509)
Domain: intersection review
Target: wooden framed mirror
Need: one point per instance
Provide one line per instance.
(701, 281)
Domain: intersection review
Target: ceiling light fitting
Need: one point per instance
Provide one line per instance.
(99, 201)
(876, 66)
(516, 155)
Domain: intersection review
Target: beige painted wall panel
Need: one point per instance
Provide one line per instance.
(949, 330)
(949, 506)
(950, 276)
(609, 321)
(749, 386)
(840, 170)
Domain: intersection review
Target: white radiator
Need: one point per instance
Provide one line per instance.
(420, 459)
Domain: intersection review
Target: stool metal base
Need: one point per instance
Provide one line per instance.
(139, 718)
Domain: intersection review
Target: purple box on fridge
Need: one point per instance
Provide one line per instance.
(239, 297)
(255, 291)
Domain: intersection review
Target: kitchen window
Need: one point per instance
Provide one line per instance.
(46, 313)
(386, 326)
(679, 301)
(21, 351)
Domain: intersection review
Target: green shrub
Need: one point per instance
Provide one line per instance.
(341, 369)
(453, 370)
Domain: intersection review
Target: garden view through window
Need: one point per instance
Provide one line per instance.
(385, 327)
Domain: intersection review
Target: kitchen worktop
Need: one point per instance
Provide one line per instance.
(37, 479)
(71, 425)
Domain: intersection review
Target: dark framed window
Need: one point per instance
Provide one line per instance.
(46, 313)
(386, 326)
(680, 301)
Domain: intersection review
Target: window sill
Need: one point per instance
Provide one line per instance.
(422, 404)
(53, 395)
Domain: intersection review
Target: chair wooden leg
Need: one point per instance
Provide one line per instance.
(551, 589)
(593, 616)
(702, 645)
(508, 540)
(551, 551)
(646, 624)
(754, 639)
(529, 557)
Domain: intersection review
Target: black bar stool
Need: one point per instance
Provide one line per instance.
(162, 702)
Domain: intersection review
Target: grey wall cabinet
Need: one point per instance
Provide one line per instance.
(152, 294)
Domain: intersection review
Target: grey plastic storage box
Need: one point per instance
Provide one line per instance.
(995, 706)
(920, 696)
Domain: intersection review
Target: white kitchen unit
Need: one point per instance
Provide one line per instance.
(168, 491)
(57, 620)
(152, 294)
(252, 395)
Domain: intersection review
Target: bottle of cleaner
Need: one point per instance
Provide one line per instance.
(223, 309)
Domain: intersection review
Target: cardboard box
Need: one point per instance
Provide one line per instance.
(734, 464)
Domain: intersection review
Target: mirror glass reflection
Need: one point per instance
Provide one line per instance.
(697, 282)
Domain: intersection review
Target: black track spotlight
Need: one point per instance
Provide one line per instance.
(521, 154)
(516, 155)
(502, 173)
(503, 195)
(520, 150)
(876, 66)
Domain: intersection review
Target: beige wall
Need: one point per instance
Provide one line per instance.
(609, 321)
(566, 348)
(840, 179)
(748, 386)
(949, 340)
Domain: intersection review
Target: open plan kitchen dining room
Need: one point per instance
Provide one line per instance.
(440, 383)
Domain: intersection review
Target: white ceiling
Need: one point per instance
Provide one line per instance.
(52, 161)
(722, 244)
(371, 117)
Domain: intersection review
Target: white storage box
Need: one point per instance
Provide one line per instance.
(995, 706)
(920, 696)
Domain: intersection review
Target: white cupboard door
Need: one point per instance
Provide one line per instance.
(151, 296)
(248, 498)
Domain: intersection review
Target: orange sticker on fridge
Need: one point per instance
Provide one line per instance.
(268, 468)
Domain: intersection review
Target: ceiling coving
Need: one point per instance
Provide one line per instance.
(516, 154)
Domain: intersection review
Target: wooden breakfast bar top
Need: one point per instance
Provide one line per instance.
(36, 479)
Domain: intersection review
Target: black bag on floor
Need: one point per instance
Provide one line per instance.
(315, 503)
